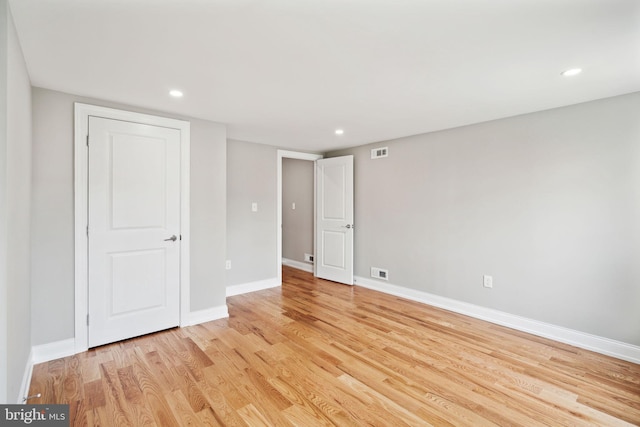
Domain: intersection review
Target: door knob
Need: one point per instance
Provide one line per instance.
(172, 238)
(348, 226)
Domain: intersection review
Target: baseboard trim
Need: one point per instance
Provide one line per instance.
(252, 286)
(609, 347)
(26, 379)
(304, 266)
(206, 315)
(53, 350)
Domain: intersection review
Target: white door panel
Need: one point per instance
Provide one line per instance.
(334, 206)
(333, 246)
(134, 281)
(134, 206)
(334, 219)
(138, 193)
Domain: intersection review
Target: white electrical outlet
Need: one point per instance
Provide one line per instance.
(254, 207)
(227, 265)
(487, 281)
(293, 206)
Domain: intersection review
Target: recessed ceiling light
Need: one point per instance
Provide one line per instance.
(339, 131)
(572, 72)
(176, 93)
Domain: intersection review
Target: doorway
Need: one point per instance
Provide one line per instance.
(284, 154)
(297, 213)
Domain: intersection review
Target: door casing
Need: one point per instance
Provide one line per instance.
(82, 112)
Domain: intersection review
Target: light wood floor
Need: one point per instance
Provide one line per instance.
(320, 353)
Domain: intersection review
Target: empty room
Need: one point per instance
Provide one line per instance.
(323, 212)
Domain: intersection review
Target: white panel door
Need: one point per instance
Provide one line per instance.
(134, 212)
(334, 219)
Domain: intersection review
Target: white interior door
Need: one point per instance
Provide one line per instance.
(134, 207)
(334, 219)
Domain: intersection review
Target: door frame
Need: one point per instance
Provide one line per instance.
(290, 155)
(82, 112)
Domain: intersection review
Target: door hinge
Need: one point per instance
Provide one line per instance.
(181, 237)
(87, 231)
(87, 140)
(87, 319)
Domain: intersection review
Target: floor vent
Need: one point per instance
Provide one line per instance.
(379, 273)
(378, 153)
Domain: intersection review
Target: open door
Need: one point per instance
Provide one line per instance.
(334, 219)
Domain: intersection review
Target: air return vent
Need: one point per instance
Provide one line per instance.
(378, 153)
(379, 273)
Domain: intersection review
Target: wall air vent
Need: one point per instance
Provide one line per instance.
(378, 153)
(379, 273)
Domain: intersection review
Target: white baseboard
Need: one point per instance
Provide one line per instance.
(207, 315)
(26, 379)
(583, 340)
(53, 350)
(44, 353)
(252, 286)
(304, 266)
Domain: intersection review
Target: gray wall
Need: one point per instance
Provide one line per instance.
(251, 236)
(297, 225)
(4, 347)
(548, 203)
(208, 214)
(52, 220)
(15, 195)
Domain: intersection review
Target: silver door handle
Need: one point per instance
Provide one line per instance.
(349, 226)
(172, 238)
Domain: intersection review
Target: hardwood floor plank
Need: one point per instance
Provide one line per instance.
(302, 410)
(132, 392)
(255, 418)
(199, 356)
(208, 418)
(316, 353)
(155, 403)
(225, 400)
(299, 416)
(181, 409)
(160, 371)
(94, 394)
(190, 390)
(118, 409)
(306, 391)
(97, 417)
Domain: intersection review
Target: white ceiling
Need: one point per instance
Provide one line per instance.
(289, 72)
